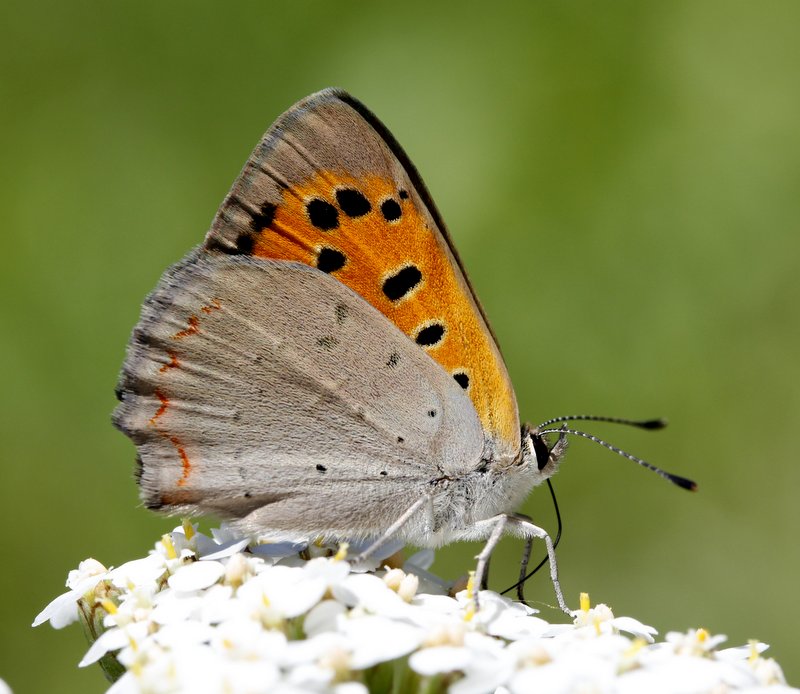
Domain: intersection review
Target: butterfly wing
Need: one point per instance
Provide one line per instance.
(330, 187)
(268, 390)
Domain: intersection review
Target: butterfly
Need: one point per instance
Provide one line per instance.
(320, 366)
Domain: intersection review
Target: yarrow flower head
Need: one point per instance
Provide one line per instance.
(220, 614)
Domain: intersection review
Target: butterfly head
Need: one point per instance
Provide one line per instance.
(537, 452)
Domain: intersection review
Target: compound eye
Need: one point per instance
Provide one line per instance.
(541, 450)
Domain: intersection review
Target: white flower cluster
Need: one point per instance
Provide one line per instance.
(207, 614)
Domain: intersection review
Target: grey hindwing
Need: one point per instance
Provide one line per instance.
(270, 389)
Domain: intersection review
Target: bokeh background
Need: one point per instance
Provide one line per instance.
(622, 180)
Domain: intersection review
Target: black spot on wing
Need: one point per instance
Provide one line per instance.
(244, 244)
(403, 194)
(322, 214)
(330, 260)
(264, 217)
(391, 210)
(462, 379)
(321, 468)
(393, 360)
(352, 202)
(401, 283)
(341, 313)
(260, 219)
(430, 335)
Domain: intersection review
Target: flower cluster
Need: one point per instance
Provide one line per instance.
(211, 614)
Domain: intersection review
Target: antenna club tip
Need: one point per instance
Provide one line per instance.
(683, 483)
(659, 423)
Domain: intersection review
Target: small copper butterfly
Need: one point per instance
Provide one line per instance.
(320, 365)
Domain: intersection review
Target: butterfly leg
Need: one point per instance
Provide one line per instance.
(485, 584)
(481, 570)
(395, 527)
(523, 564)
(520, 526)
(523, 569)
(530, 531)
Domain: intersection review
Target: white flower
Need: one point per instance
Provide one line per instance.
(405, 585)
(196, 576)
(205, 613)
(323, 617)
(374, 639)
(281, 592)
(114, 639)
(439, 659)
(139, 572)
(696, 642)
(63, 610)
(600, 620)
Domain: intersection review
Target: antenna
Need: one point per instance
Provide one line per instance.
(658, 423)
(681, 482)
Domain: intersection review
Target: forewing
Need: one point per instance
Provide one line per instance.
(330, 187)
(265, 386)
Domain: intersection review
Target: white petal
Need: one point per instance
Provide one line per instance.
(196, 576)
(309, 678)
(246, 639)
(252, 677)
(312, 649)
(439, 659)
(290, 591)
(378, 639)
(126, 684)
(635, 627)
(197, 669)
(214, 551)
(219, 605)
(350, 688)
(428, 582)
(110, 640)
(484, 674)
(138, 572)
(683, 674)
(741, 652)
(441, 604)
(183, 633)
(371, 593)
(329, 570)
(171, 608)
(513, 622)
(323, 617)
(277, 549)
(61, 611)
(86, 569)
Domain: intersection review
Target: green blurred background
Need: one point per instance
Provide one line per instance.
(622, 180)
